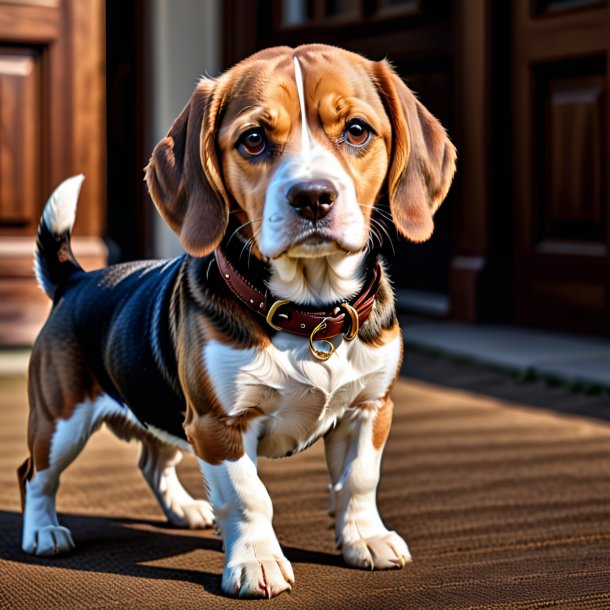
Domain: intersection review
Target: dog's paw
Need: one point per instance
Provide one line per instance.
(264, 578)
(194, 515)
(384, 552)
(48, 541)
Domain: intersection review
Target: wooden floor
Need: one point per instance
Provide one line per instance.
(503, 506)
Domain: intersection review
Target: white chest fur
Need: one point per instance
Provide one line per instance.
(301, 397)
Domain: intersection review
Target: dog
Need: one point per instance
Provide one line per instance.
(276, 328)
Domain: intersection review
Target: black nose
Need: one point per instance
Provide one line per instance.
(312, 199)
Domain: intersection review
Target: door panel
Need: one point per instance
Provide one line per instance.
(52, 110)
(561, 142)
(20, 144)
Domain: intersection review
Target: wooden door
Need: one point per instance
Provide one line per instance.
(52, 111)
(561, 145)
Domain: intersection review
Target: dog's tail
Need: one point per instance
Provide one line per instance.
(54, 262)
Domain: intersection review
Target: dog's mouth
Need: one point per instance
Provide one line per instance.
(315, 242)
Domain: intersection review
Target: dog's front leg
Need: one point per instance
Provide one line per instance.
(255, 565)
(353, 454)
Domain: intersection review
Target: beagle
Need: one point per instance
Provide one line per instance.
(276, 328)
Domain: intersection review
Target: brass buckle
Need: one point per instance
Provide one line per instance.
(355, 327)
(317, 353)
(272, 311)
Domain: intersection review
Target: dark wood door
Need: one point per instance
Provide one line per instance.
(52, 126)
(561, 154)
(415, 35)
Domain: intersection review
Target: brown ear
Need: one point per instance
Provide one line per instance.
(423, 158)
(184, 178)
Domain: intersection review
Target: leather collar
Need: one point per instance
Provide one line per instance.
(284, 315)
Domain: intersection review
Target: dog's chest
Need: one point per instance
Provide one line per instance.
(300, 398)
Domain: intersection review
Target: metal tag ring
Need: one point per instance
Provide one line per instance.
(317, 353)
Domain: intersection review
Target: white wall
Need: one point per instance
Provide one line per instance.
(184, 42)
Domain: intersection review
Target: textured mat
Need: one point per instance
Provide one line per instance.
(502, 506)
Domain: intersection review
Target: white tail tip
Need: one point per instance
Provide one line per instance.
(60, 211)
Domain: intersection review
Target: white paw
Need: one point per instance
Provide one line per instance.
(262, 578)
(194, 515)
(48, 541)
(384, 552)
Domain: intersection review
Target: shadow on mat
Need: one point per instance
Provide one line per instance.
(125, 546)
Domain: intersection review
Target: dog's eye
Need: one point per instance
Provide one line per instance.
(252, 143)
(357, 133)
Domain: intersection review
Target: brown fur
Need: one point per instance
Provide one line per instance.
(194, 195)
(386, 335)
(423, 158)
(382, 324)
(241, 327)
(215, 437)
(184, 177)
(382, 423)
(25, 472)
(383, 417)
(58, 380)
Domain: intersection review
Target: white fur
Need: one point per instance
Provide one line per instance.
(332, 274)
(302, 399)
(300, 396)
(335, 278)
(278, 234)
(305, 137)
(354, 466)
(60, 210)
(58, 216)
(42, 534)
(255, 565)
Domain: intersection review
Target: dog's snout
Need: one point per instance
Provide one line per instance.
(312, 199)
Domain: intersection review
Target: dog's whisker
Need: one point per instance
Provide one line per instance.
(380, 228)
(378, 210)
(247, 246)
(242, 226)
(207, 273)
(379, 232)
(255, 235)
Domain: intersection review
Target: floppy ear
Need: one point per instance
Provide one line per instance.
(184, 178)
(423, 158)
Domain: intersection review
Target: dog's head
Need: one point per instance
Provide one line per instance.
(299, 144)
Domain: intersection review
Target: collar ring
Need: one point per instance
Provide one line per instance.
(272, 311)
(319, 354)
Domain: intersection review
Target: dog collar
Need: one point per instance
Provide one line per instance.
(283, 315)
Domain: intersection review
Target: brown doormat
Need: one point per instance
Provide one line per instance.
(502, 506)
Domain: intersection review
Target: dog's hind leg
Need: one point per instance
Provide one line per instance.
(158, 462)
(42, 533)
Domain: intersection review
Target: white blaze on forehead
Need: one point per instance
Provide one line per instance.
(282, 229)
(305, 141)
